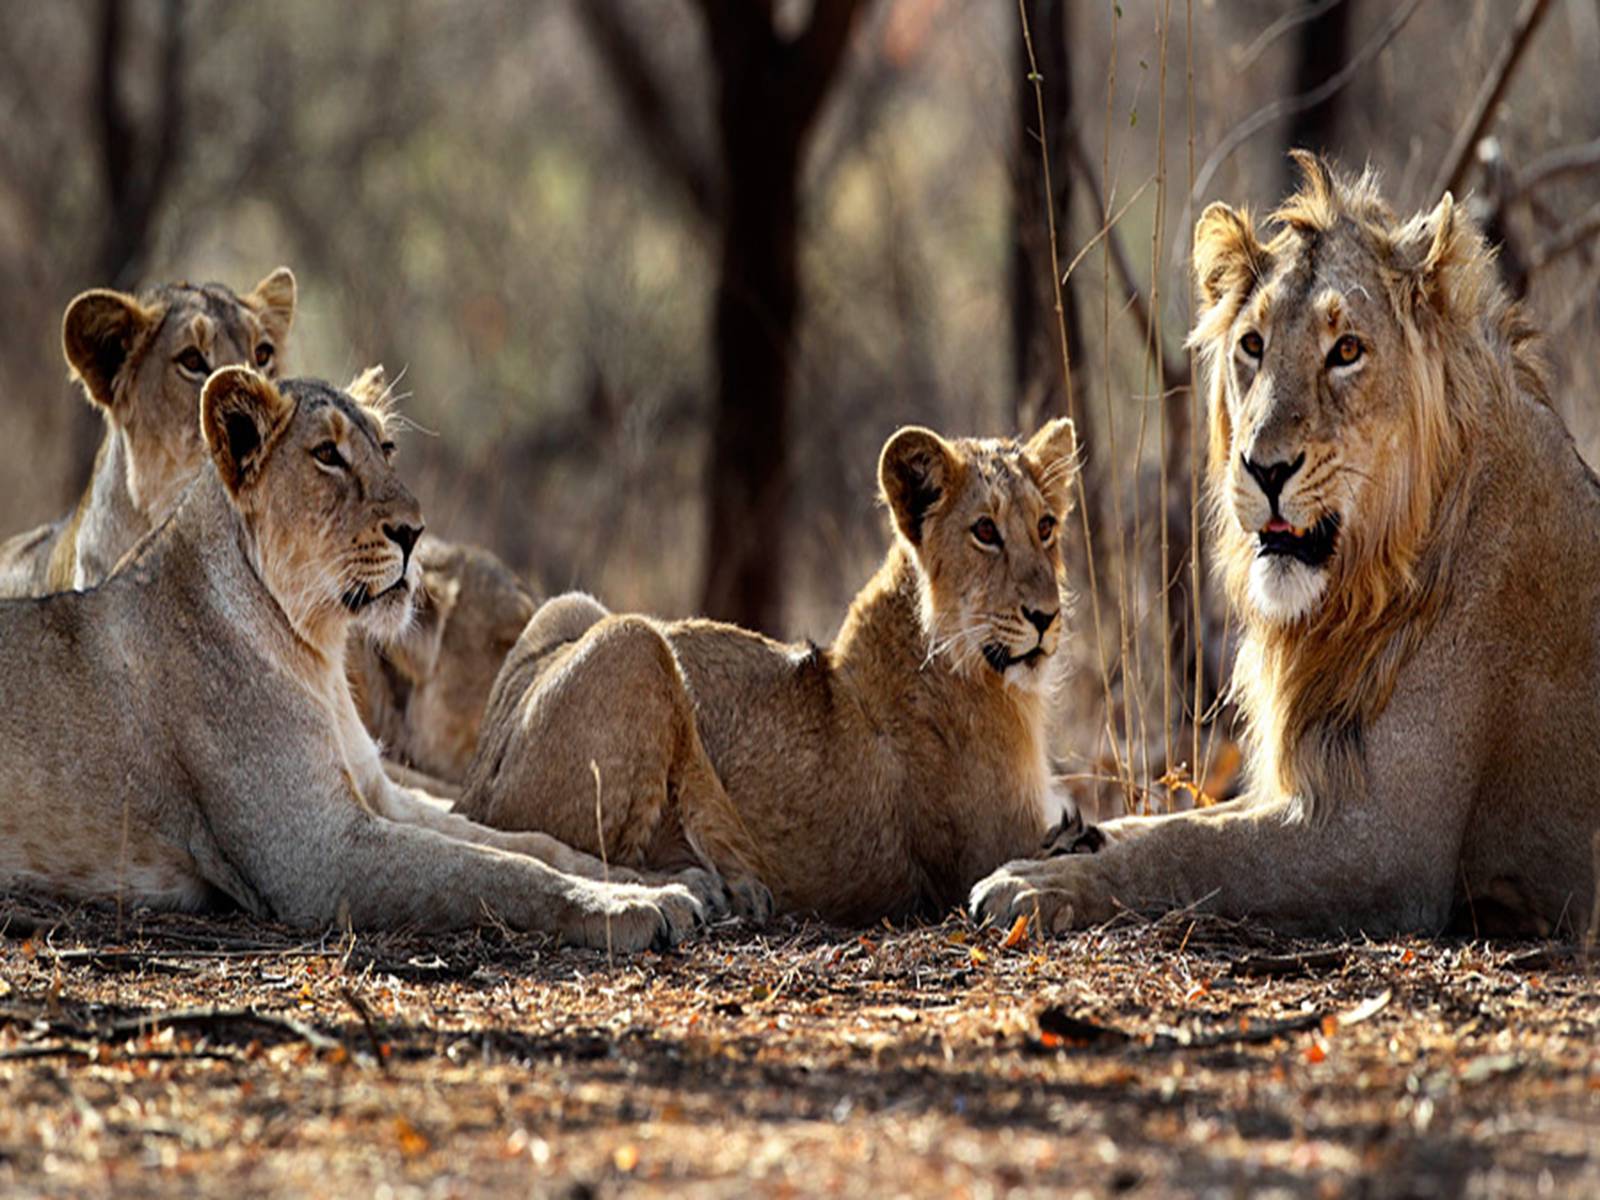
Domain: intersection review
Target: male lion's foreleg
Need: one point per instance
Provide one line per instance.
(1343, 873)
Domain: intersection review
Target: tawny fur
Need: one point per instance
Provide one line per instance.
(184, 734)
(141, 361)
(422, 695)
(1422, 738)
(877, 777)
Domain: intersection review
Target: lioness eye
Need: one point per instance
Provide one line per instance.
(263, 354)
(194, 362)
(1252, 344)
(1047, 526)
(327, 453)
(986, 532)
(1345, 351)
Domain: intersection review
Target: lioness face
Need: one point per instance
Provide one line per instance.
(1317, 419)
(983, 519)
(144, 359)
(309, 468)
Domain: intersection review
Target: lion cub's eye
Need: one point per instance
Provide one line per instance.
(1252, 344)
(986, 531)
(1345, 351)
(1047, 526)
(263, 354)
(327, 453)
(192, 361)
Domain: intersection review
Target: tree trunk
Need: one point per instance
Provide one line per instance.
(769, 90)
(1323, 46)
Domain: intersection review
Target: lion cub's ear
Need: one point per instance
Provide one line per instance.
(98, 336)
(1053, 456)
(1228, 258)
(916, 470)
(241, 415)
(274, 298)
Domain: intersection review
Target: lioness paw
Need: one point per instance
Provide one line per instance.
(628, 917)
(752, 900)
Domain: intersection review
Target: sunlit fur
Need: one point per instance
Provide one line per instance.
(134, 357)
(1387, 446)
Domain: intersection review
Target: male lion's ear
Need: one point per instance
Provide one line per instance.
(274, 298)
(1228, 258)
(98, 336)
(1053, 453)
(241, 416)
(1445, 257)
(916, 470)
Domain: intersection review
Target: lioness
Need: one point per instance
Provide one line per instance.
(422, 694)
(1412, 544)
(878, 777)
(142, 361)
(184, 732)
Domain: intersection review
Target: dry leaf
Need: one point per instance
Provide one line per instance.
(626, 1158)
(413, 1142)
(1018, 934)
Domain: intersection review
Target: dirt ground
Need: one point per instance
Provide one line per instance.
(1189, 1056)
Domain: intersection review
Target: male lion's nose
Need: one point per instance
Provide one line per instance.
(1272, 476)
(404, 536)
(1038, 619)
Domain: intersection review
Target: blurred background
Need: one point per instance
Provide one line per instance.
(661, 275)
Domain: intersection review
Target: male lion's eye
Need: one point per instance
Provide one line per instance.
(1252, 344)
(387, 448)
(327, 453)
(1345, 351)
(1047, 526)
(263, 354)
(194, 362)
(987, 533)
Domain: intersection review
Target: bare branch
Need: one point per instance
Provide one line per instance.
(1459, 157)
(1569, 160)
(1570, 237)
(818, 51)
(1290, 20)
(650, 106)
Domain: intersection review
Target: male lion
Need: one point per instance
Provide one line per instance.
(1413, 546)
(184, 732)
(878, 777)
(142, 361)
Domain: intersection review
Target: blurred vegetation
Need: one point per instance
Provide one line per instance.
(524, 206)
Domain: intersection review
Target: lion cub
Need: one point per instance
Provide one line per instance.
(881, 776)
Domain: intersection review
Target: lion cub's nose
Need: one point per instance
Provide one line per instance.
(1040, 620)
(404, 536)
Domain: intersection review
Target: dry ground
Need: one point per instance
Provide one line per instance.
(1190, 1056)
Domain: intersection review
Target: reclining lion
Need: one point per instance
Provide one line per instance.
(878, 777)
(183, 733)
(142, 361)
(1412, 544)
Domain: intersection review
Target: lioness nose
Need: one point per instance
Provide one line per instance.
(1039, 620)
(404, 536)
(1272, 476)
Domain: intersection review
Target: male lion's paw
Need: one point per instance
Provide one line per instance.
(630, 917)
(1055, 894)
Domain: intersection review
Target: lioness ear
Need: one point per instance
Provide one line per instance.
(1053, 453)
(241, 417)
(273, 298)
(369, 388)
(98, 335)
(1228, 258)
(916, 471)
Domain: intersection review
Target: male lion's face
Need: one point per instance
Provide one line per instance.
(983, 518)
(144, 359)
(1321, 433)
(309, 468)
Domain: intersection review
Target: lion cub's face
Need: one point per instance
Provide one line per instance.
(144, 359)
(1315, 341)
(983, 520)
(308, 466)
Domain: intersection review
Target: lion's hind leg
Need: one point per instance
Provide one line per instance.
(590, 751)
